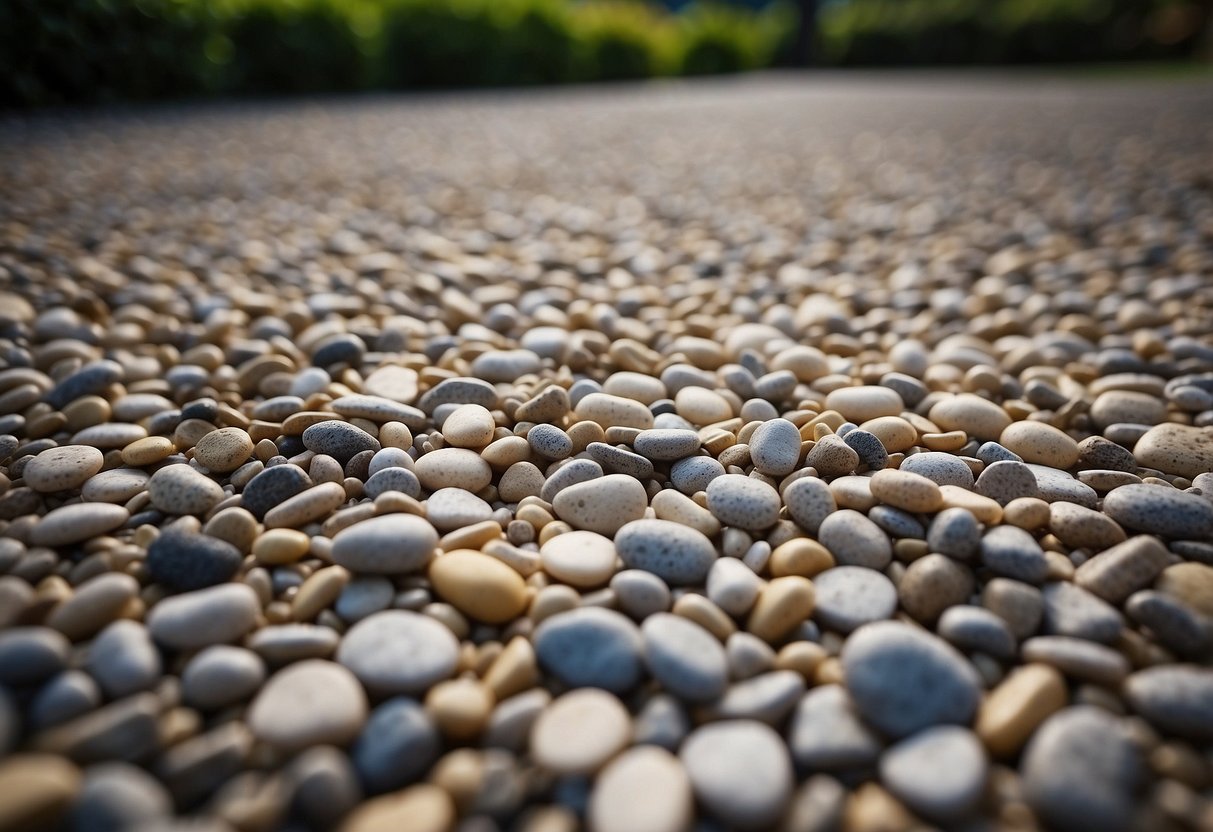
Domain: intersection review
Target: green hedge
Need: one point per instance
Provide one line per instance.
(83, 51)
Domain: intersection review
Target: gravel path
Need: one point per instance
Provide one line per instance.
(745, 454)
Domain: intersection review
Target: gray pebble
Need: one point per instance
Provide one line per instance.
(68, 695)
(1160, 510)
(281, 644)
(571, 473)
(1177, 699)
(1004, 481)
(549, 441)
(733, 586)
(324, 786)
(393, 479)
(1012, 552)
(221, 675)
(955, 532)
(620, 460)
(364, 595)
(897, 522)
(695, 473)
(399, 744)
(447, 509)
(1054, 486)
(678, 554)
(768, 697)
(398, 651)
(1077, 658)
(685, 658)
(661, 721)
(832, 457)
(272, 487)
(810, 502)
(740, 771)
(29, 655)
(1177, 627)
(850, 596)
(662, 443)
(775, 447)
(743, 502)
(854, 540)
(1020, 605)
(1072, 611)
(640, 593)
(340, 440)
(390, 544)
(123, 659)
(975, 629)
(591, 647)
(991, 452)
(116, 797)
(826, 734)
(216, 615)
(180, 489)
(184, 561)
(1097, 452)
(871, 451)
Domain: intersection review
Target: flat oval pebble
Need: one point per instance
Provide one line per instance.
(221, 675)
(398, 651)
(185, 562)
(64, 468)
(854, 540)
(775, 447)
(591, 647)
(743, 502)
(1160, 510)
(677, 554)
(1041, 443)
(939, 772)
(903, 679)
(223, 450)
(448, 509)
(686, 659)
(272, 487)
(479, 586)
(313, 702)
(1173, 449)
(602, 505)
(215, 615)
(116, 485)
(581, 559)
(338, 439)
(847, 597)
(397, 745)
(668, 443)
(907, 491)
(859, 404)
(810, 502)
(1177, 699)
(76, 523)
(741, 772)
(645, 788)
(392, 544)
(579, 732)
(180, 489)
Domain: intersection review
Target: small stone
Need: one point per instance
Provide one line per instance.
(1190, 583)
(469, 426)
(479, 586)
(1078, 658)
(1180, 629)
(30, 655)
(96, 603)
(398, 651)
(1177, 699)
(76, 523)
(120, 796)
(1171, 448)
(449, 509)
(645, 788)
(223, 450)
(1121, 570)
(677, 554)
(903, 679)
(1081, 770)
(954, 532)
(340, 440)
(693, 474)
(603, 505)
(116, 485)
(832, 457)
(1013, 553)
(37, 789)
(1012, 711)
(123, 659)
(579, 732)
(783, 605)
(591, 647)
(667, 444)
(397, 746)
(1126, 406)
(939, 772)
(810, 502)
(391, 382)
(1058, 486)
(183, 561)
(1041, 443)
(1098, 452)
(272, 487)
(66, 696)
(931, 585)
(420, 808)
(743, 502)
(826, 734)
(216, 615)
(740, 771)
(767, 697)
(584, 560)
(62, 469)
(221, 675)
(974, 415)
(312, 702)
(685, 658)
(460, 708)
(939, 468)
(1160, 510)
(869, 448)
(859, 404)
(977, 630)
(907, 491)
(180, 489)
(608, 411)
(1083, 528)
(847, 597)
(1072, 611)
(775, 447)
(854, 540)
(387, 545)
(1006, 480)
(733, 586)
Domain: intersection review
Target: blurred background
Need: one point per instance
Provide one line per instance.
(55, 52)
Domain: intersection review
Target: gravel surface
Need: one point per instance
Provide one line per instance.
(751, 454)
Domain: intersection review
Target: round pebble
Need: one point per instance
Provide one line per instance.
(397, 651)
(310, 703)
(677, 554)
(685, 658)
(62, 469)
(591, 647)
(580, 559)
(388, 545)
(740, 771)
(579, 732)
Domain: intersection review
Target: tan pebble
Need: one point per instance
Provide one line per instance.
(602, 505)
(281, 546)
(585, 434)
(1029, 513)
(235, 525)
(223, 450)
(803, 657)
(479, 586)
(1123, 569)
(551, 600)
(678, 508)
(978, 417)
(95, 603)
(1083, 528)
(783, 605)
(392, 382)
(582, 559)
(645, 788)
(460, 707)
(420, 808)
(180, 489)
(87, 411)
(319, 592)
(853, 493)
(951, 441)
(862, 404)
(911, 492)
(706, 614)
(507, 451)
(521, 480)
(579, 731)
(1191, 583)
(474, 536)
(306, 506)
(1014, 709)
(62, 469)
(37, 790)
(453, 468)
(800, 556)
(514, 670)
(895, 433)
(607, 410)
(697, 405)
(460, 773)
(1176, 449)
(986, 511)
(1041, 443)
(76, 523)
(872, 809)
(469, 426)
(149, 450)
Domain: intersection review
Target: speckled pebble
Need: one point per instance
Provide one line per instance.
(850, 596)
(180, 489)
(677, 554)
(854, 540)
(62, 469)
(744, 502)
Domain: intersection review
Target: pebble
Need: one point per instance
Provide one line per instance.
(1077, 657)
(1191, 583)
(96, 602)
(810, 502)
(1058, 486)
(391, 382)
(77, 523)
(1006, 480)
(1081, 769)
(1083, 528)
(64, 468)
(1173, 449)
(123, 660)
(1101, 453)
(449, 509)
(831, 457)
(30, 655)
(1160, 510)
(931, 585)
(679, 555)
(733, 586)
(116, 485)
(340, 440)
(847, 597)
(309, 703)
(740, 771)
(221, 675)
(854, 540)
(397, 745)
(974, 415)
(119, 796)
(392, 544)
(1072, 611)
(939, 772)
(38, 790)
(469, 426)
(591, 647)
(608, 411)
(180, 489)
(398, 651)
(420, 808)
(743, 502)
(668, 444)
(645, 788)
(215, 615)
(782, 605)
(1180, 629)
(775, 447)
(1177, 699)
(603, 505)
(977, 630)
(579, 732)
(1041, 443)
(956, 533)
(1119, 571)
(907, 491)
(66, 696)
(826, 733)
(1013, 553)
(223, 450)
(306, 506)
(694, 474)
(903, 679)
(1012, 711)
(272, 487)
(479, 586)
(940, 468)
(859, 404)
(868, 447)
(581, 559)
(685, 658)
(183, 561)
